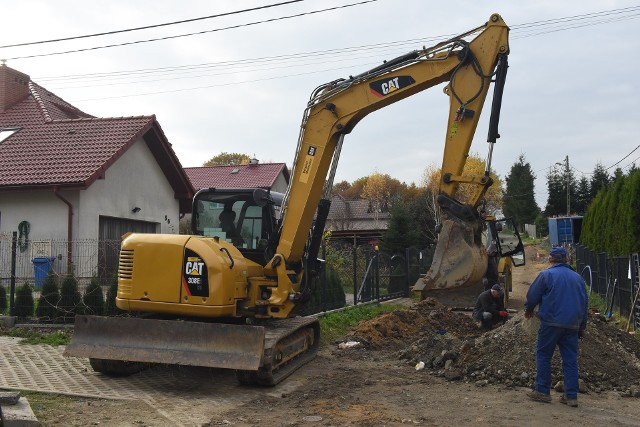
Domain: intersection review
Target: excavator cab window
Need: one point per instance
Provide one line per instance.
(245, 217)
(504, 234)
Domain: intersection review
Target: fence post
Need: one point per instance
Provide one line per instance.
(355, 275)
(12, 293)
(377, 277)
(323, 275)
(408, 271)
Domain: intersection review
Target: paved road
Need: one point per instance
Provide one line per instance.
(183, 395)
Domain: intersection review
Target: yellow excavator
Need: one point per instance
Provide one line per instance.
(226, 296)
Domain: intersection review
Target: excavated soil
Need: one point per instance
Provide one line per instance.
(432, 333)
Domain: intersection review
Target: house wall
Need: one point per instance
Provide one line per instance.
(46, 214)
(280, 185)
(134, 180)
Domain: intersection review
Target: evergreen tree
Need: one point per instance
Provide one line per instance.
(583, 196)
(519, 200)
(47, 310)
(542, 225)
(110, 308)
(633, 230)
(3, 299)
(557, 198)
(70, 298)
(402, 232)
(599, 179)
(93, 299)
(23, 306)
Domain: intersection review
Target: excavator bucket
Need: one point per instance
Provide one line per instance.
(215, 345)
(459, 261)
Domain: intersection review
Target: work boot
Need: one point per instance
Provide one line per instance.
(569, 402)
(538, 397)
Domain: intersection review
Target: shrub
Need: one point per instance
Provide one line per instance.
(24, 301)
(70, 299)
(47, 310)
(110, 308)
(3, 299)
(93, 300)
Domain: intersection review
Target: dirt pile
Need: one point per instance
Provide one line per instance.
(451, 345)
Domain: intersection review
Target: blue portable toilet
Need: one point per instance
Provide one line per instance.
(41, 267)
(565, 230)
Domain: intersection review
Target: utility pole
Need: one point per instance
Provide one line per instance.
(567, 183)
(567, 176)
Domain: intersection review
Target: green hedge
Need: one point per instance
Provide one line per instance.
(612, 221)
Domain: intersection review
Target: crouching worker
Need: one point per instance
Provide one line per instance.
(489, 309)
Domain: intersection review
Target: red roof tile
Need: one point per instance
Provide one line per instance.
(60, 145)
(260, 175)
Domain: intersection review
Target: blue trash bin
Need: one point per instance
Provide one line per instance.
(41, 267)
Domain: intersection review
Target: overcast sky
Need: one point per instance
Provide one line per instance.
(571, 89)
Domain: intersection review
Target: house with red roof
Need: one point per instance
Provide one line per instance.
(269, 176)
(66, 175)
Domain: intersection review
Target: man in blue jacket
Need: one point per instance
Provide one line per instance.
(562, 298)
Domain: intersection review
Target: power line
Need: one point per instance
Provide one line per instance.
(146, 27)
(123, 74)
(619, 161)
(297, 15)
(517, 27)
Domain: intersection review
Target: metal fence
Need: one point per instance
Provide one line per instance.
(32, 261)
(352, 275)
(615, 278)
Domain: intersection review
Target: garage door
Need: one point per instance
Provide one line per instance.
(110, 235)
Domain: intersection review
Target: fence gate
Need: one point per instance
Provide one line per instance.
(381, 277)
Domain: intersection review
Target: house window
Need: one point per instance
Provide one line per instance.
(7, 132)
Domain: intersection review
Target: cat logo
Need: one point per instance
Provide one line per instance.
(195, 277)
(386, 86)
(194, 266)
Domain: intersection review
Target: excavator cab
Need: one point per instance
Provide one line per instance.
(246, 218)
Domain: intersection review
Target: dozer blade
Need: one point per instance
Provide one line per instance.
(215, 345)
(460, 259)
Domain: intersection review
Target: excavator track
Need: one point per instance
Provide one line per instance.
(262, 354)
(117, 368)
(289, 344)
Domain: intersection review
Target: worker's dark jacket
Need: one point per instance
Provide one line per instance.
(486, 302)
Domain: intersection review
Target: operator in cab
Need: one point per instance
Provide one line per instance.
(489, 309)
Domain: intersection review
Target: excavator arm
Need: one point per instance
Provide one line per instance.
(335, 108)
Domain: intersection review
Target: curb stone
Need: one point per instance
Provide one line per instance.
(18, 413)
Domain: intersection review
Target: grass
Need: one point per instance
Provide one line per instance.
(333, 325)
(336, 325)
(49, 337)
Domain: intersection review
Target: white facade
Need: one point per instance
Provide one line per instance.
(135, 180)
(280, 185)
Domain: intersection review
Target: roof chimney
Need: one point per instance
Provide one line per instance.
(254, 161)
(14, 87)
